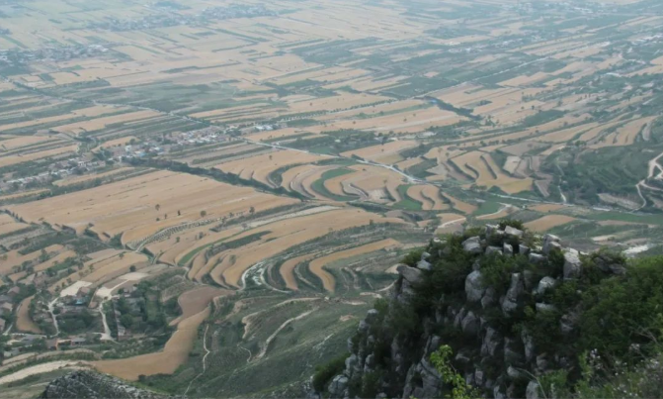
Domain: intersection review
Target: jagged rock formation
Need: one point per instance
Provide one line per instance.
(491, 295)
(88, 385)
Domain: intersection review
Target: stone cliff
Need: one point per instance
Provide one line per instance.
(504, 300)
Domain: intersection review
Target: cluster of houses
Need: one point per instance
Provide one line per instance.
(13, 56)
(7, 306)
(56, 171)
(170, 19)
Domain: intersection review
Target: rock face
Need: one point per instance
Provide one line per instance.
(87, 384)
(476, 320)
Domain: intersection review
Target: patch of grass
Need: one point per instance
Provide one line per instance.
(487, 208)
(319, 185)
(407, 203)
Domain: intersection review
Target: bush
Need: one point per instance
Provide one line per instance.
(624, 311)
(412, 258)
(324, 374)
(496, 271)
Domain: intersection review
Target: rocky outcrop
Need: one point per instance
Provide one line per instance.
(88, 384)
(485, 324)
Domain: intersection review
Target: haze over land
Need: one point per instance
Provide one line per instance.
(201, 190)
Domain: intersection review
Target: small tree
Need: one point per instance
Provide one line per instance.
(459, 388)
(203, 214)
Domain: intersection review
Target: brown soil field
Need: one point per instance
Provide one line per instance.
(301, 178)
(82, 179)
(626, 134)
(196, 300)
(275, 134)
(99, 272)
(100, 123)
(375, 181)
(378, 152)
(8, 224)
(483, 168)
(130, 204)
(175, 353)
(460, 205)
(548, 222)
(374, 110)
(23, 321)
(449, 218)
(344, 101)
(258, 168)
(317, 265)
(21, 194)
(14, 142)
(287, 270)
(285, 234)
(406, 122)
(545, 208)
(17, 159)
(429, 196)
(503, 213)
(16, 259)
(61, 257)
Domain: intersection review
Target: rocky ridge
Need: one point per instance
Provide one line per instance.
(89, 385)
(494, 308)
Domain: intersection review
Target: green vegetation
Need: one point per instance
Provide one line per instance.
(319, 185)
(407, 202)
(487, 208)
(324, 374)
(617, 317)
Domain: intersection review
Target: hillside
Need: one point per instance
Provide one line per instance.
(85, 384)
(499, 312)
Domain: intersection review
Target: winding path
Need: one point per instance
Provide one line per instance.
(652, 166)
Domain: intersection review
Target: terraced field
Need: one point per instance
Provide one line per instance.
(251, 173)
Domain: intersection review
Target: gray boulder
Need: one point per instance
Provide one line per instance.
(544, 307)
(494, 250)
(338, 386)
(507, 249)
(606, 265)
(491, 228)
(474, 288)
(528, 345)
(545, 284)
(568, 322)
(510, 302)
(523, 249)
(550, 242)
(371, 316)
(489, 298)
(472, 245)
(572, 264)
(512, 352)
(536, 259)
(411, 274)
(513, 372)
(470, 324)
(498, 392)
(542, 363)
(532, 390)
(513, 232)
(491, 343)
(424, 265)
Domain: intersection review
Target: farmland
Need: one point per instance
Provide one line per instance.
(201, 190)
